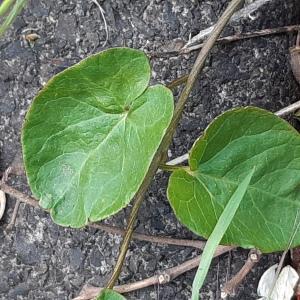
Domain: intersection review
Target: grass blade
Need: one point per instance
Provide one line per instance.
(12, 15)
(4, 7)
(217, 234)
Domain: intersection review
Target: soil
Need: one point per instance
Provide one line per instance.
(40, 260)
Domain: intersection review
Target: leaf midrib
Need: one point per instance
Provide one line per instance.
(79, 172)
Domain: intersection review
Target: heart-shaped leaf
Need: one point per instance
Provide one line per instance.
(91, 134)
(108, 294)
(236, 142)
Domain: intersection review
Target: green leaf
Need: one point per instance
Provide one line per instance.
(235, 143)
(108, 294)
(91, 134)
(217, 234)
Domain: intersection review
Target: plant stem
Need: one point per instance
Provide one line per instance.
(170, 168)
(18, 195)
(198, 65)
(102, 12)
(21, 197)
(288, 109)
(13, 218)
(245, 36)
(150, 238)
(230, 286)
(280, 113)
(89, 292)
(229, 39)
(173, 84)
(244, 12)
(4, 7)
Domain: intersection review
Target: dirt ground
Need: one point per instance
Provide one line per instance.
(40, 260)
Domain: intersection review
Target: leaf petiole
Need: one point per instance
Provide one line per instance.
(171, 168)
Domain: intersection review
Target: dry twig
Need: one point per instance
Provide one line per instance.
(150, 238)
(18, 195)
(245, 36)
(164, 277)
(102, 12)
(107, 228)
(243, 13)
(14, 215)
(228, 39)
(230, 287)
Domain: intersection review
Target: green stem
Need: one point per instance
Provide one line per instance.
(170, 168)
(157, 160)
(176, 82)
(4, 7)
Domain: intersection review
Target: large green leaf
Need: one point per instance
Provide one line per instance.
(235, 143)
(108, 294)
(91, 134)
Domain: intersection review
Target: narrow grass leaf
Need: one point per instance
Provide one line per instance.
(217, 234)
(5, 6)
(12, 15)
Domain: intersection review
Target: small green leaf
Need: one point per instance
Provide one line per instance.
(235, 143)
(217, 234)
(108, 294)
(91, 134)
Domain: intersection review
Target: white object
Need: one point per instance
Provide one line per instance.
(282, 289)
(2, 203)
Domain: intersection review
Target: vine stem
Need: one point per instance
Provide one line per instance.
(160, 154)
(163, 277)
(170, 168)
(230, 287)
(108, 228)
(245, 36)
(178, 81)
(243, 13)
(18, 195)
(230, 39)
(151, 238)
